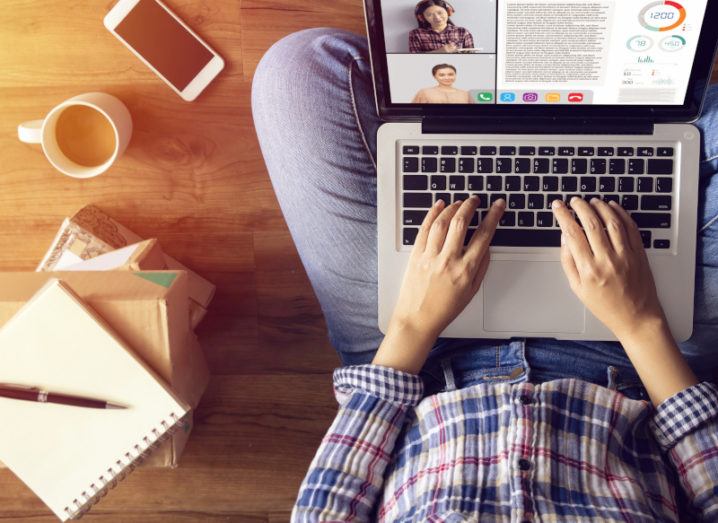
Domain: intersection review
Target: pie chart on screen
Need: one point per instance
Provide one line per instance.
(664, 15)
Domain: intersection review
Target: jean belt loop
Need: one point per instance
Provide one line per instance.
(448, 374)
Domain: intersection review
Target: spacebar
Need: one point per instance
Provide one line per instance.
(527, 238)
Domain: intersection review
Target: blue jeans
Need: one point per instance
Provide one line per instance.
(314, 113)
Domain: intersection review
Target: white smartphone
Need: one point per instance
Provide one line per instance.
(165, 43)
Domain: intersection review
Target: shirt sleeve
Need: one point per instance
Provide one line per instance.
(686, 427)
(346, 476)
(468, 41)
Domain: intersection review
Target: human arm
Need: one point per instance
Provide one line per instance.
(468, 41)
(440, 280)
(346, 476)
(609, 272)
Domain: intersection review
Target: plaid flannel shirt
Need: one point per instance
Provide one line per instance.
(424, 40)
(564, 450)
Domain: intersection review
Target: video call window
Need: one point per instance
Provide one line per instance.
(570, 52)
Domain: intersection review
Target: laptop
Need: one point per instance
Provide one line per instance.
(542, 100)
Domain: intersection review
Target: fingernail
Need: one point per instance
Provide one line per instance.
(500, 203)
(557, 203)
(474, 197)
(615, 204)
(574, 199)
(438, 203)
(595, 200)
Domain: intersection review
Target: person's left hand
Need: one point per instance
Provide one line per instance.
(441, 279)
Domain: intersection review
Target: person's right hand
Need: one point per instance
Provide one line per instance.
(608, 270)
(451, 47)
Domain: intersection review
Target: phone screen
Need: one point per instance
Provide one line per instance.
(164, 43)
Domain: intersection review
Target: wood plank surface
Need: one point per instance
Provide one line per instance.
(194, 178)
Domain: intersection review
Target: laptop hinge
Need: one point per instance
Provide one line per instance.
(529, 125)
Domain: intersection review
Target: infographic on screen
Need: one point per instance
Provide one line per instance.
(561, 52)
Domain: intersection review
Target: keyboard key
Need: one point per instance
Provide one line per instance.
(550, 198)
(414, 217)
(655, 203)
(625, 184)
(545, 219)
(629, 202)
(449, 150)
(579, 166)
(416, 183)
(508, 219)
(626, 151)
(410, 149)
(606, 151)
(410, 165)
(547, 151)
(448, 165)
(566, 151)
(568, 199)
(512, 184)
(505, 150)
(588, 184)
(476, 183)
(487, 150)
(527, 237)
(617, 166)
(549, 183)
(531, 183)
(474, 220)
(460, 197)
(541, 165)
(428, 165)
(606, 184)
(645, 151)
(660, 167)
(483, 201)
(430, 149)
(527, 151)
(598, 166)
(661, 244)
(517, 201)
(664, 184)
(652, 220)
(526, 219)
(611, 198)
(636, 166)
(645, 184)
(467, 165)
(522, 165)
(469, 150)
(503, 165)
(560, 166)
(409, 235)
(665, 151)
(494, 183)
(469, 234)
(646, 238)
(586, 151)
(589, 197)
(417, 199)
(496, 196)
(438, 183)
(457, 183)
(485, 165)
(535, 201)
(568, 183)
(443, 196)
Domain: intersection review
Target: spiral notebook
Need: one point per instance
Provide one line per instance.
(70, 456)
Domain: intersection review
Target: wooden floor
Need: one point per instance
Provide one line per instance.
(193, 177)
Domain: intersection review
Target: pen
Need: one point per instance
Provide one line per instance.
(20, 392)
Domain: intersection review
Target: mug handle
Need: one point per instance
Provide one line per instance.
(30, 132)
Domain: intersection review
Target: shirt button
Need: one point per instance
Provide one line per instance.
(524, 464)
(525, 400)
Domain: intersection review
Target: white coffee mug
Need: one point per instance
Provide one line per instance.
(44, 132)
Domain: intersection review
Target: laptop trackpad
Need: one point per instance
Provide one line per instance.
(530, 296)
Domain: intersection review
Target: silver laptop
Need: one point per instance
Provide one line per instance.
(540, 102)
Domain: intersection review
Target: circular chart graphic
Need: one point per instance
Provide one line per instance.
(639, 43)
(673, 43)
(663, 15)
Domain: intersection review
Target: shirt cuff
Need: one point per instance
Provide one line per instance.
(683, 413)
(385, 383)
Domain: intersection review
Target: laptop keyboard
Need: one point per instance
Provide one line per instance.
(530, 177)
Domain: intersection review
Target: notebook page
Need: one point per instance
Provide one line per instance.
(60, 451)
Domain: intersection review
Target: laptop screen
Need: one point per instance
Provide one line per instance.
(541, 52)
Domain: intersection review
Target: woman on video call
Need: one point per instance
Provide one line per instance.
(444, 93)
(436, 32)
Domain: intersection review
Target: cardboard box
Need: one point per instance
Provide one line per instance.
(91, 232)
(142, 256)
(149, 311)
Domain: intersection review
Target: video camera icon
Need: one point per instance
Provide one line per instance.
(530, 97)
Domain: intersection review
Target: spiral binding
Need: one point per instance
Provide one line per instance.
(122, 467)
